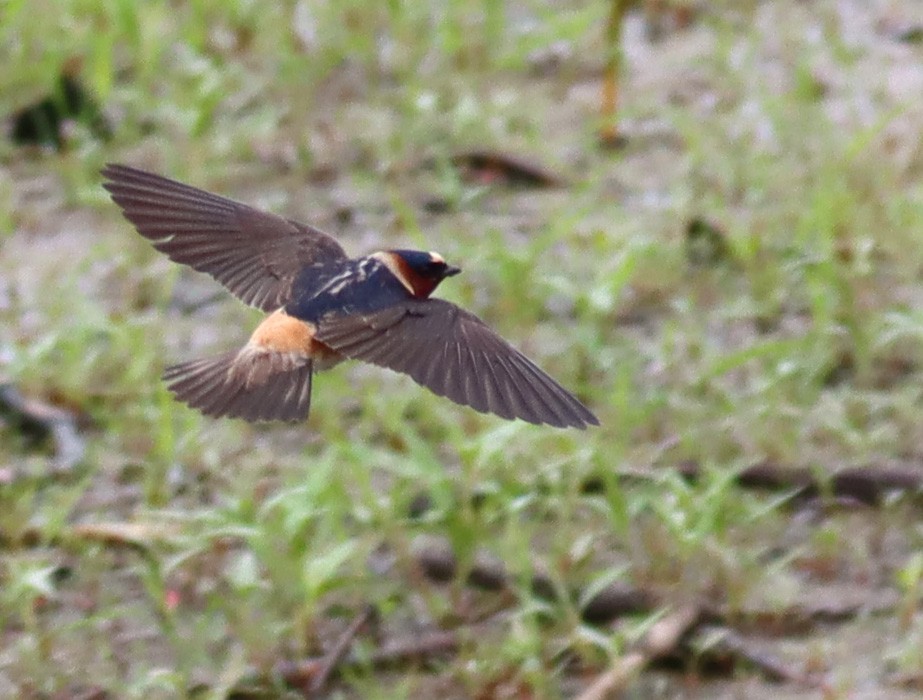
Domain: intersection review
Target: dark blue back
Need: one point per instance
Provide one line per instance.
(363, 285)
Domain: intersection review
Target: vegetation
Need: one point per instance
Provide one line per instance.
(738, 285)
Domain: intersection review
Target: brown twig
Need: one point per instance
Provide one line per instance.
(336, 655)
(610, 136)
(437, 561)
(420, 649)
(800, 619)
(868, 485)
(489, 165)
(661, 639)
(726, 642)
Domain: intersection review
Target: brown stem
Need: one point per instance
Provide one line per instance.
(661, 639)
(336, 655)
(610, 135)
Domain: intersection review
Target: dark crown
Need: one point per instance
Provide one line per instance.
(428, 265)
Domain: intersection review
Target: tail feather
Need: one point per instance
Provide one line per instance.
(216, 387)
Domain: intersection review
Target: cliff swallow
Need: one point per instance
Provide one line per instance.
(324, 307)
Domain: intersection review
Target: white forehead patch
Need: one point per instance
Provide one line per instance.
(435, 257)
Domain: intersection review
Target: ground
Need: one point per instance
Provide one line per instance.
(737, 286)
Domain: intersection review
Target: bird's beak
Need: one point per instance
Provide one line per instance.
(450, 271)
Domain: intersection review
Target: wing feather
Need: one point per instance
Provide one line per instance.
(469, 374)
(564, 405)
(454, 354)
(255, 254)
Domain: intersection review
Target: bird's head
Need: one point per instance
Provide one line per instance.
(421, 271)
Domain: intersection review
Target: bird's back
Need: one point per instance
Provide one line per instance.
(362, 285)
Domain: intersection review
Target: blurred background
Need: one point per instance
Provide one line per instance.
(704, 218)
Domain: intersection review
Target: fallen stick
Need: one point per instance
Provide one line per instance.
(869, 485)
(726, 642)
(435, 558)
(340, 649)
(661, 639)
(610, 136)
(488, 165)
(419, 649)
(437, 562)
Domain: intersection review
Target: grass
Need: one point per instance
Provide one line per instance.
(255, 544)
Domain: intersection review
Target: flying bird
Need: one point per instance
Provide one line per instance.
(324, 307)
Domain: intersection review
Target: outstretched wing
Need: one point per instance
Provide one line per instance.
(456, 355)
(255, 254)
